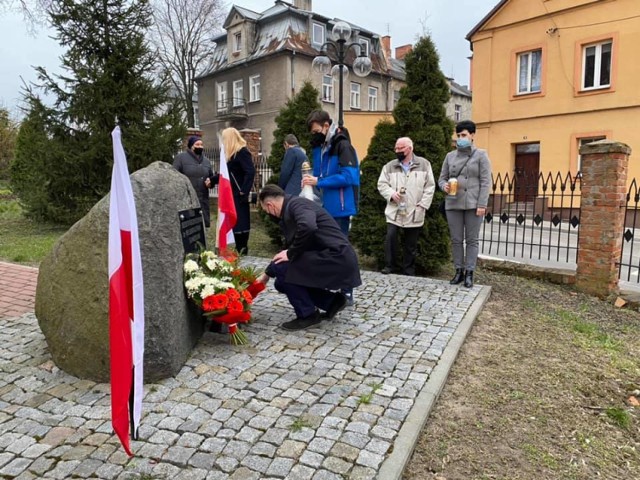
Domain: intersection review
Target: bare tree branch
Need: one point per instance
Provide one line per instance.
(182, 32)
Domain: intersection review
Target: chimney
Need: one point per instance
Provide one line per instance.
(302, 5)
(386, 45)
(402, 51)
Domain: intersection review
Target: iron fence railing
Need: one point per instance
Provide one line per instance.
(534, 217)
(629, 265)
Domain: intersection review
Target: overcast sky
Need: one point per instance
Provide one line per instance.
(448, 22)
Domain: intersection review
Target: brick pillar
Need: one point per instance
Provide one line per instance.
(602, 211)
(252, 137)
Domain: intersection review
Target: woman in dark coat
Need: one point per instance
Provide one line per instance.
(242, 173)
(318, 258)
(197, 168)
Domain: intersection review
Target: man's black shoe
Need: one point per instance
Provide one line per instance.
(468, 278)
(386, 271)
(302, 323)
(337, 304)
(458, 277)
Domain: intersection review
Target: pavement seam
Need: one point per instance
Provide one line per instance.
(393, 466)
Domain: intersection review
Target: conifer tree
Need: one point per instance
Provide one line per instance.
(291, 119)
(108, 77)
(420, 114)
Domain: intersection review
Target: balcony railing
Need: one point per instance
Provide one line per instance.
(232, 108)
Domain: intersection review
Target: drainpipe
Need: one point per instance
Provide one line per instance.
(293, 74)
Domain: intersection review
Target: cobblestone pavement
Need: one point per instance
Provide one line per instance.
(325, 403)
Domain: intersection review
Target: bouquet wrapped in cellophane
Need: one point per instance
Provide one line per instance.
(222, 289)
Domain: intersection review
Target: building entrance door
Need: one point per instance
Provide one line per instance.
(527, 172)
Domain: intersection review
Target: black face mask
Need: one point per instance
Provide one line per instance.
(317, 139)
(198, 150)
(401, 156)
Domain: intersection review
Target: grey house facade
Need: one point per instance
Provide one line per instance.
(459, 105)
(263, 59)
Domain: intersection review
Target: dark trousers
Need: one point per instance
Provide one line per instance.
(242, 242)
(343, 223)
(409, 251)
(304, 300)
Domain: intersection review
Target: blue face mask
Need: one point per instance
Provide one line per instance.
(463, 143)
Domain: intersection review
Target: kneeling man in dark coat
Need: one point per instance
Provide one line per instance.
(318, 258)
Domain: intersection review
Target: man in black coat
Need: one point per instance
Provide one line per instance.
(318, 258)
(193, 163)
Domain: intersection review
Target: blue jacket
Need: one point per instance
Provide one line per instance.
(336, 165)
(291, 173)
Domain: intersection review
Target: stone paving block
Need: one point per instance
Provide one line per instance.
(369, 459)
(227, 464)
(362, 473)
(79, 452)
(237, 449)
(192, 474)
(280, 467)
(344, 451)
(256, 463)
(166, 470)
(15, 467)
(264, 449)
(62, 470)
(87, 468)
(291, 449)
(327, 475)
(190, 440)
(41, 465)
(336, 465)
(202, 460)
(178, 455)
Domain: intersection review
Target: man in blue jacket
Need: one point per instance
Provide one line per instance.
(291, 171)
(335, 171)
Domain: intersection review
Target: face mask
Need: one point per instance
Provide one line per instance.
(401, 156)
(198, 150)
(317, 139)
(463, 143)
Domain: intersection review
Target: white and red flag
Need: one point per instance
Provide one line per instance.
(226, 208)
(126, 302)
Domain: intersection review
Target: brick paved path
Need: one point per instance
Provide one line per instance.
(326, 403)
(17, 289)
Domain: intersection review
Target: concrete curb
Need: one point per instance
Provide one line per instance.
(393, 467)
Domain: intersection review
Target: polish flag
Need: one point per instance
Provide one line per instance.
(126, 302)
(226, 208)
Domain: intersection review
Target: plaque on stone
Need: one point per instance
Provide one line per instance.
(192, 230)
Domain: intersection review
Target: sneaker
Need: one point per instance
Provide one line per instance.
(337, 304)
(302, 323)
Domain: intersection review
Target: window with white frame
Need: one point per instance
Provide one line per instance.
(238, 93)
(318, 34)
(327, 88)
(237, 42)
(581, 143)
(254, 88)
(530, 71)
(355, 95)
(196, 116)
(222, 96)
(373, 99)
(457, 112)
(364, 46)
(396, 97)
(596, 65)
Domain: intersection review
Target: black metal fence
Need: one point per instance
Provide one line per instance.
(263, 171)
(630, 255)
(533, 217)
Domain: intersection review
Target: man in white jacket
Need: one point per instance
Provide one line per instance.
(407, 184)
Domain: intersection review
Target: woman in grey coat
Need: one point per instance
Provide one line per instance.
(466, 205)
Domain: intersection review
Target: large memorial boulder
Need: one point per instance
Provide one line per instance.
(72, 296)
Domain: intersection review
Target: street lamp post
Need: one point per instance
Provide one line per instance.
(322, 63)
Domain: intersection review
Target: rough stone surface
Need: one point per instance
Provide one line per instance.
(71, 295)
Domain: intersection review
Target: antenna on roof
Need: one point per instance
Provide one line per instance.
(388, 29)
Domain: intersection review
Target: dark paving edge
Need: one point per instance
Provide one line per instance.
(394, 465)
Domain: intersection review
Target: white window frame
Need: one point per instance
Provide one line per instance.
(597, 67)
(529, 81)
(364, 42)
(582, 141)
(318, 28)
(457, 112)
(223, 98)
(237, 42)
(354, 95)
(238, 86)
(254, 88)
(328, 89)
(373, 99)
(396, 98)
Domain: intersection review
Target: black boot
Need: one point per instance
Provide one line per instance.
(468, 278)
(458, 277)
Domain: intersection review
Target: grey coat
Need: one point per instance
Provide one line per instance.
(474, 178)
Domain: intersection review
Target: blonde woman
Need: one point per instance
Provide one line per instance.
(242, 172)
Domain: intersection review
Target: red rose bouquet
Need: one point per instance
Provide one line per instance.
(222, 289)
